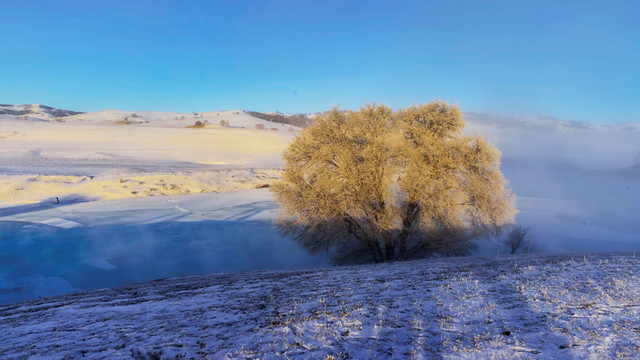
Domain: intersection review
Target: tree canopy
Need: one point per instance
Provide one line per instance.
(378, 185)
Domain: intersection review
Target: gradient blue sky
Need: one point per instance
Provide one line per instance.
(570, 60)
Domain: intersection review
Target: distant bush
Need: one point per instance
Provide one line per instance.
(519, 240)
(224, 123)
(129, 119)
(260, 126)
(198, 124)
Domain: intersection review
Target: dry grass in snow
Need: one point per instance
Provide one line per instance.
(526, 307)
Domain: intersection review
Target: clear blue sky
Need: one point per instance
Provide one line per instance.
(570, 60)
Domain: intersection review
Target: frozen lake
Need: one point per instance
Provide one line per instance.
(49, 249)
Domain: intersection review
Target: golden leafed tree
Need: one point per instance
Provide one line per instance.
(378, 185)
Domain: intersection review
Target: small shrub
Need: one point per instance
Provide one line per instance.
(260, 126)
(519, 240)
(198, 124)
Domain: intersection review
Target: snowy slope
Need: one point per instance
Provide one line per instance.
(527, 307)
(235, 118)
(33, 112)
(41, 160)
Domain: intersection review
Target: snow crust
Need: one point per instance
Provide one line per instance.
(526, 307)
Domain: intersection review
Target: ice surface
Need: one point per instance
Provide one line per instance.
(93, 245)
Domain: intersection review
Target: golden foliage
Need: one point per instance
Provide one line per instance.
(378, 185)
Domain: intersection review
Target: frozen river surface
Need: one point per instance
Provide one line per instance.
(49, 249)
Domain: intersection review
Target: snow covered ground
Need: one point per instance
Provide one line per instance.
(142, 195)
(523, 307)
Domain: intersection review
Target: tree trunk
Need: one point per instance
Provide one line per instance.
(354, 228)
(409, 217)
(389, 252)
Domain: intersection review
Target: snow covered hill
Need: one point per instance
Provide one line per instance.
(234, 119)
(34, 111)
(229, 118)
(524, 307)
